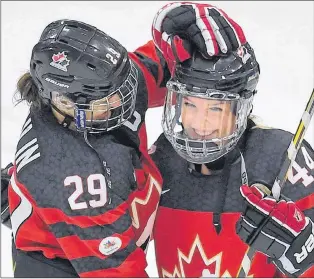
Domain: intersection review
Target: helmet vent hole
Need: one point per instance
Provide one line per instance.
(64, 41)
(72, 25)
(104, 87)
(88, 87)
(91, 66)
(89, 90)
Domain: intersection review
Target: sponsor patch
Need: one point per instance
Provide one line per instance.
(109, 245)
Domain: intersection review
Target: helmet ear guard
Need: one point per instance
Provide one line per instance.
(229, 80)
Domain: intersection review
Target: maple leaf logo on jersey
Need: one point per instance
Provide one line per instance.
(60, 61)
(212, 265)
(197, 260)
(143, 208)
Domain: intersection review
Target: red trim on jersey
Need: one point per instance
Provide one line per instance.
(309, 273)
(133, 266)
(11, 170)
(78, 248)
(143, 140)
(146, 191)
(306, 202)
(55, 215)
(149, 50)
(156, 95)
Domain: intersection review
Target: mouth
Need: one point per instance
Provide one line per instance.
(204, 134)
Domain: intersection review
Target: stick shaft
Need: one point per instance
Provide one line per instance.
(294, 147)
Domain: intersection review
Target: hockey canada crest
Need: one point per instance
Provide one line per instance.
(60, 61)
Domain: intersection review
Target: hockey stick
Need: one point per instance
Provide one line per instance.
(291, 154)
(293, 148)
(280, 180)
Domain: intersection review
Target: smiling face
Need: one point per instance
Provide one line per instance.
(207, 119)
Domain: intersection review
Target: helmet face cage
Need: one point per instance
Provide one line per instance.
(105, 114)
(198, 148)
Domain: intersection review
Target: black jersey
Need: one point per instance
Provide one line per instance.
(93, 206)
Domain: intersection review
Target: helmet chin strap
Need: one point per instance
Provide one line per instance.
(232, 156)
(67, 118)
(216, 165)
(220, 163)
(225, 163)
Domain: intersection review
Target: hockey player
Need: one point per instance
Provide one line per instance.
(72, 184)
(211, 151)
(79, 163)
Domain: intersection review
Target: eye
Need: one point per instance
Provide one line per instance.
(187, 104)
(217, 109)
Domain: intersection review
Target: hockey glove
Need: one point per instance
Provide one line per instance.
(277, 229)
(5, 179)
(210, 29)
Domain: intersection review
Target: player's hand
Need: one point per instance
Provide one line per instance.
(5, 179)
(208, 28)
(287, 236)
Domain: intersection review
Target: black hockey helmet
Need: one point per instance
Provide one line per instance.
(229, 80)
(84, 64)
(237, 72)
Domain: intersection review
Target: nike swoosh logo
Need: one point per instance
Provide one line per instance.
(165, 191)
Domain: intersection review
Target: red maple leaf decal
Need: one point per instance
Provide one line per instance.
(58, 57)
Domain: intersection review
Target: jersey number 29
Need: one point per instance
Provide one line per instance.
(101, 191)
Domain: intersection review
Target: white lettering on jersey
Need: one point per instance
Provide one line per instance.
(308, 160)
(95, 189)
(297, 172)
(137, 121)
(28, 152)
(300, 173)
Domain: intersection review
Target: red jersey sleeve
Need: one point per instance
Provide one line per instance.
(155, 71)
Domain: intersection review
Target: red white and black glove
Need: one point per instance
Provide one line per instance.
(210, 29)
(277, 229)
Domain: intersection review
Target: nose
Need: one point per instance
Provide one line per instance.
(201, 121)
